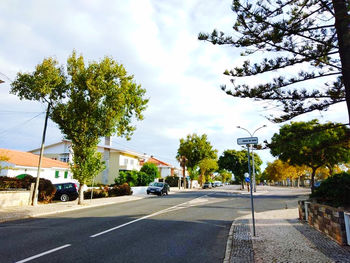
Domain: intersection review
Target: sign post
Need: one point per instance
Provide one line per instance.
(247, 142)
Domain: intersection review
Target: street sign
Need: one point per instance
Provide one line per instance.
(248, 140)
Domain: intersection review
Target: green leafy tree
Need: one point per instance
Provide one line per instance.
(46, 84)
(225, 176)
(195, 148)
(102, 99)
(193, 173)
(237, 163)
(309, 39)
(312, 144)
(206, 167)
(151, 170)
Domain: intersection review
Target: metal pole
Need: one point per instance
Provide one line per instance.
(251, 190)
(254, 181)
(35, 196)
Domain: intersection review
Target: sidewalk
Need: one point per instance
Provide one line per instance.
(281, 237)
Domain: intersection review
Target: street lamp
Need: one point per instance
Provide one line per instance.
(251, 135)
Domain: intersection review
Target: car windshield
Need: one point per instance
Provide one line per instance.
(158, 184)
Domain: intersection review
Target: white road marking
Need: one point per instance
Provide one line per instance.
(43, 254)
(194, 202)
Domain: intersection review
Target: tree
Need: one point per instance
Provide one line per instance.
(308, 37)
(46, 84)
(207, 166)
(280, 171)
(312, 144)
(151, 170)
(195, 148)
(102, 99)
(193, 173)
(225, 175)
(237, 163)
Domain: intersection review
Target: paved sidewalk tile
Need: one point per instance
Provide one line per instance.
(242, 246)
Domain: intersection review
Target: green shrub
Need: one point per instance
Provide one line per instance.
(119, 190)
(334, 191)
(172, 181)
(151, 170)
(98, 193)
(46, 189)
(134, 178)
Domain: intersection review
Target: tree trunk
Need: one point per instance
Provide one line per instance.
(298, 182)
(342, 23)
(313, 179)
(81, 194)
(242, 185)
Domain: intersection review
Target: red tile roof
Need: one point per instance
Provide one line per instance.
(157, 162)
(29, 159)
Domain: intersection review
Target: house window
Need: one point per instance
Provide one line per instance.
(132, 162)
(125, 161)
(64, 159)
(65, 174)
(57, 174)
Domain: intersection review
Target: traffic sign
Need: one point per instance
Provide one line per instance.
(248, 140)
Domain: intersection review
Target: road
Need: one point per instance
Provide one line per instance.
(182, 227)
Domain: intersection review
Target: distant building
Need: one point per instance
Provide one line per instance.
(19, 164)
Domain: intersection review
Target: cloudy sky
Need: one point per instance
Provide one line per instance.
(157, 42)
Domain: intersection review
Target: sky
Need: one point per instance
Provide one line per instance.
(156, 41)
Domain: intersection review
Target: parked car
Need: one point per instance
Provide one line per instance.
(207, 185)
(217, 183)
(158, 188)
(66, 191)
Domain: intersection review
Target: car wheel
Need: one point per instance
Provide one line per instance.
(64, 198)
(160, 193)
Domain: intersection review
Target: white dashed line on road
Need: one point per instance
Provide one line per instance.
(43, 254)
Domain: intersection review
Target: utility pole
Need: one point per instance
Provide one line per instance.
(36, 188)
(183, 161)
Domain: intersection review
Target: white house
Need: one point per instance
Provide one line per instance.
(115, 159)
(18, 163)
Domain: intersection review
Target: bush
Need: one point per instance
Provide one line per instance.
(46, 189)
(134, 178)
(119, 190)
(98, 193)
(172, 181)
(116, 190)
(151, 170)
(334, 191)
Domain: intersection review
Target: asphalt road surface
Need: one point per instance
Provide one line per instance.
(183, 227)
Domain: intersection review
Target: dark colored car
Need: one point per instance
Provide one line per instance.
(66, 191)
(158, 188)
(207, 185)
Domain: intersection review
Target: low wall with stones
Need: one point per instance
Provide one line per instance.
(326, 219)
(14, 198)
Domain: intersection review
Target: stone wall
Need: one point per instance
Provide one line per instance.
(14, 198)
(326, 219)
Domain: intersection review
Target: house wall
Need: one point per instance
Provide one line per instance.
(59, 152)
(165, 171)
(47, 173)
